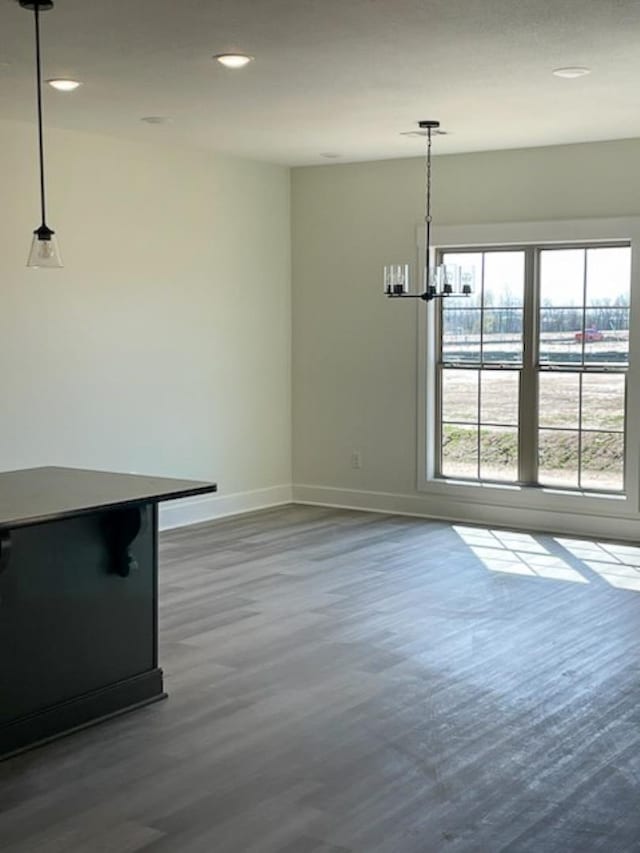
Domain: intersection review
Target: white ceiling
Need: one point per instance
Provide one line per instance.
(333, 76)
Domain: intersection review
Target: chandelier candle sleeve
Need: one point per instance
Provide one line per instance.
(440, 281)
(396, 279)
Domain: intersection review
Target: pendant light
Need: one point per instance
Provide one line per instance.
(441, 280)
(44, 247)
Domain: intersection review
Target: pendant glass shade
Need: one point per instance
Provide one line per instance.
(44, 250)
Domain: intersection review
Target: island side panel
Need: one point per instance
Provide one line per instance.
(73, 624)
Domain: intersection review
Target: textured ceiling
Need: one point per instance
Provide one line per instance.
(333, 76)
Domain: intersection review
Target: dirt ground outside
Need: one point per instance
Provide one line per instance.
(594, 443)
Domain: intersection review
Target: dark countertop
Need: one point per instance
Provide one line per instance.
(35, 495)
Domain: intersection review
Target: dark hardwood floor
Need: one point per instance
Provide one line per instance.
(343, 682)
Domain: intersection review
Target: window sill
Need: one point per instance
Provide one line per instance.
(541, 498)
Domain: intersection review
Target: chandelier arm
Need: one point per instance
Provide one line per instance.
(427, 296)
(36, 14)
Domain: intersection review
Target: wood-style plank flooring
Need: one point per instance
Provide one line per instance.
(343, 682)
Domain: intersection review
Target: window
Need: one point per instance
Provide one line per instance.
(532, 369)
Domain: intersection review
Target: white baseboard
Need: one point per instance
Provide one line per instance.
(424, 506)
(207, 507)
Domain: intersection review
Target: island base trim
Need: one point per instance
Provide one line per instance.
(80, 712)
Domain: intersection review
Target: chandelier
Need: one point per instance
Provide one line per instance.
(440, 280)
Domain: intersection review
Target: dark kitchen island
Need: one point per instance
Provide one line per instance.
(78, 598)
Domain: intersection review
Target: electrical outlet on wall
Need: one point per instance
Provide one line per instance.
(356, 459)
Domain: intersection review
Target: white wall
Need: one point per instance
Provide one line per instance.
(164, 345)
(355, 353)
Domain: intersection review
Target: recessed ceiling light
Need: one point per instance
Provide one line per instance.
(156, 119)
(64, 85)
(233, 60)
(571, 72)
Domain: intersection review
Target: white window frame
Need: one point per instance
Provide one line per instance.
(508, 495)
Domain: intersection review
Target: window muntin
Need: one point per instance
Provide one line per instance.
(560, 400)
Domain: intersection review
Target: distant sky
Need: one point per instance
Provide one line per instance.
(561, 273)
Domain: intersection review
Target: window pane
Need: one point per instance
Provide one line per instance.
(559, 399)
(461, 335)
(582, 327)
(560, 335)
(608, 276)
(460, 395)
(606, 335)
(503, 279)
(603, 401)
(558, 458)
(459, 451)
(499, 453)
(602, 460)
(561, 277)
(502, 338)
(468, 261)
(500, 393)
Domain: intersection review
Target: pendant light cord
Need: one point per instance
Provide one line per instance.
(427, 216)
(36, 12)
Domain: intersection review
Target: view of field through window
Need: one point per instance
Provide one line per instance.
(580, 330)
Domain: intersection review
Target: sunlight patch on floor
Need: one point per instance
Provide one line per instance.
(618, 565)
(516, 554)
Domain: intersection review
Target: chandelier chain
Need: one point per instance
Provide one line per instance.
(427, 212)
